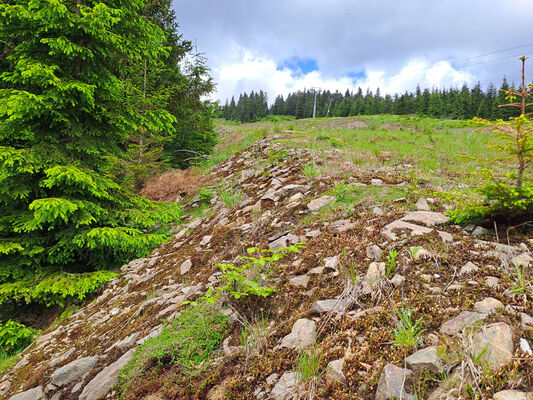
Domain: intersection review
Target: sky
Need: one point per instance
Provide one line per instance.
(281, 46)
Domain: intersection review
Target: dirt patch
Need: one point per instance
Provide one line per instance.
(171, 184)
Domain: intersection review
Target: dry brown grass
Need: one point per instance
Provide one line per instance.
(171, 184)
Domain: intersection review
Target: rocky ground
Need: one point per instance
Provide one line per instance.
(337, 301)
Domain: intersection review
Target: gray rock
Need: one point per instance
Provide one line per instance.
(426, 359)
(389, 230)
(341, 226)
(374, 274)
(465, 319)
(427, 218)
(492, 282)
(374, 252)
(324, 306)
(271, 379)
(422, 205)
(290, 190)
(479, 231)
(488, 305)
(334, 371)
(377, 211)
(394, 382)
(332, 262)
(397, 280)
(126, 343)
(283, 241)
(317, 204)
(303, 334)
(468, 268)
(313, 233)
(33, 394)
(299, 281)
(62, 357)
(376, 182)
(495, 341)
(102, 383)
(525, 347)
(185, 266)
(526, 320)
(206, 240)
(72, 371)
(513, 395)
(523, 260)
(284, 389)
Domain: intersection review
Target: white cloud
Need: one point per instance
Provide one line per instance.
(243, 71)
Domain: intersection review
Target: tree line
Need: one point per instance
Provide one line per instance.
(452, 103)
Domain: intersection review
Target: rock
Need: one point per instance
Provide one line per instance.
(525, 347)
(332, 262)
(303, 334)
(397, 280)
(479, 231)
(72, 371)
(334, 371)
(495, 341)
(33, 394)
(388, 231)
(422, 205)
(468, 268)
(206, 240)
(317, 204)
(185, 266)
(492, 282)
(374, 252)
(290, 190)
(283, 241)
(466, 319)
(376, 182)
(393, 384)
(284, 389)
(317, 270)
(427, 218)
(341, 226)
(102, 383)
(62, 357)
(526, 320)
(419, 253)
(426, 359)
(271, 379)
(488, 305)
(523, 260)
(313, 233)
(374, 274)
(299, 281)
(513, 395)
(377, 211)
(127, 343)
(324, 306)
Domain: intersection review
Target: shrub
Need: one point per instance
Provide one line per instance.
(14, 337)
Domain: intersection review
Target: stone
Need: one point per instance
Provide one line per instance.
(72, 371)
(468, 268)
(525, 347)
(393, 383)
(317, 270)
(513, 395)
(332, 262)
(378, 211)
(427, 218)
(374, 252)
(488, 305)
(426, 359)
(284, 389)
(303, 334)
(62, 357)
(185, 266)
(415, 230)
(376, 182)
(334, 371)
(290, 190)
(492, 282)
(341, 226)
(283, 241)
(206, 240)
(271, 379)
(299, 281)
(495, 341)
(33, 394)
(102, 383)
(526, 320)
(397, 280)
(422, 205)
(374, 274)
(523, 260)
(313, 233)
(419, 253)
(465, 319)
(127, 343)
(320, 202)
(324, 306)
(479, 231)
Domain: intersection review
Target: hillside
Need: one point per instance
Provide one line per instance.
(384, 298)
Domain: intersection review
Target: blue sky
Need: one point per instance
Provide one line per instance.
(281, 46)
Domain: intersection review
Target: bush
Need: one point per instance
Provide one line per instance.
(15, 337)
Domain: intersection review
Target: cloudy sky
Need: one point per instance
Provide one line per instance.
(281, 46)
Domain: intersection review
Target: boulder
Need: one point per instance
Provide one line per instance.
(394, 383)
(303, 334)
(427, 218)
(72, 371)
(284, 389)
(415, 230)
(456, 325)
(495, 344)
(426, 359)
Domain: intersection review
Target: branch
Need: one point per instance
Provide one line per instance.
(193, 152)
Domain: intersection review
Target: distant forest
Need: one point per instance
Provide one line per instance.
(453, 103)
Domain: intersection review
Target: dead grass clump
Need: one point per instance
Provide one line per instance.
(171, 184)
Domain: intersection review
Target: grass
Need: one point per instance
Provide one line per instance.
(309, 371)
(6, 361)
(230, 195)
(312, 170)
(407, 333)
(390, 264)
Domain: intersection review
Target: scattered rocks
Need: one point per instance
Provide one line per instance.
(465, 319)
(495, 344)
(376, 182)
(426, 359)
(324, 306)
(488, 305)
(427, 218)
(206, 240)
(492, 282)
(102, 383)
(393, 383)
(397, 280)
(480, 231)
(523, 260)
(303, 334)
(334, 371)
(332, 262)
(317, 204)
(374, 274)
(72, 371)
(399, 225)
(377, 211)
(283, 241)
(525, 347)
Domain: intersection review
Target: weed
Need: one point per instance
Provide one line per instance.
(205, 195)
(6, 361)
(413, 251)
(342, 192)
(230, 196)
(407, 334)
(521, 284)
(254, 336)
(312, 170)
(308, 371)
(391, 263)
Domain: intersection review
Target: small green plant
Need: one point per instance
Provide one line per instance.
(521, 284)
(390, 264)
(205, 195)
(230, 196)
(312, 170)
(407, 333)
(413, 251)
(6, 361)
(254, 336)
(14, 337)
(342, 192)
(308, 367)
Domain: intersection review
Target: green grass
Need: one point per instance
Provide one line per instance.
(6, 361)
(407, 332)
